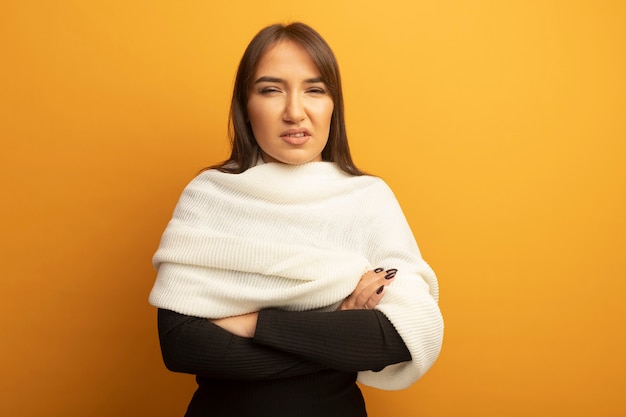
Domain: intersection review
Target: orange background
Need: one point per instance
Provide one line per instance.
(500, 125)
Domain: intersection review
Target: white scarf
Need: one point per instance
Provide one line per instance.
(297, 238)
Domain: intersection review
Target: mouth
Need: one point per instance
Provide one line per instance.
(296, 136)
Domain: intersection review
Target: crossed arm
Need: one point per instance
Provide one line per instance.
(275, 343)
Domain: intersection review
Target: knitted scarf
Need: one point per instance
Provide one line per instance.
(297, 238)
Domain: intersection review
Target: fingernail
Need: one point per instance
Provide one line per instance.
(391, 273)
(377, 270)
(378, 291)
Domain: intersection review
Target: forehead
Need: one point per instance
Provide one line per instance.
(286, 57)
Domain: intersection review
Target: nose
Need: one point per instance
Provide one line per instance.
(294, 109)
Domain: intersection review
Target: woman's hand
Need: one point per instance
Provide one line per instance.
(370, 290)
(243, 326)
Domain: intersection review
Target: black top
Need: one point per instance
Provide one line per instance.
(299, 364)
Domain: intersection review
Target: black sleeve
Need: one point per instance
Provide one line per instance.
(197, 346)
(350, 340)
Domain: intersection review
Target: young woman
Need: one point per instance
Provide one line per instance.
(286, 274)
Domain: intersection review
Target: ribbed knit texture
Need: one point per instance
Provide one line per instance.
(297, 238)
(301, 363)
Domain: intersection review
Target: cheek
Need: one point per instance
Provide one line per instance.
(256, 118)
(329, 115)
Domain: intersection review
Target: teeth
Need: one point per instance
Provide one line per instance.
(297, 135)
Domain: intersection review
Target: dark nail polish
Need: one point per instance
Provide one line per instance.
(391, 273)
(377, 270)
(378, 291)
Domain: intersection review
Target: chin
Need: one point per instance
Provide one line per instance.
(291, 159)
(300, 161)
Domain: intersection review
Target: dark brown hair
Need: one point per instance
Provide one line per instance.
(244, 146)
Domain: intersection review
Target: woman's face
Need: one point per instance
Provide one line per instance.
(289, 106)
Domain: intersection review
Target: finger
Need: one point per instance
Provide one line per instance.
(372, 277)
(372, 302)
(390, 273)
(371, 296)
(362, 297)
(369, 277)
(369, 289)
(375, 297)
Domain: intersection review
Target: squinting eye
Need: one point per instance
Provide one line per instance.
(317, 91)
(269, 90)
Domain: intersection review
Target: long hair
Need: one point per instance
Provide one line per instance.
(244, 147)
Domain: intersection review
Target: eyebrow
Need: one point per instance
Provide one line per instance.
(267, 79)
